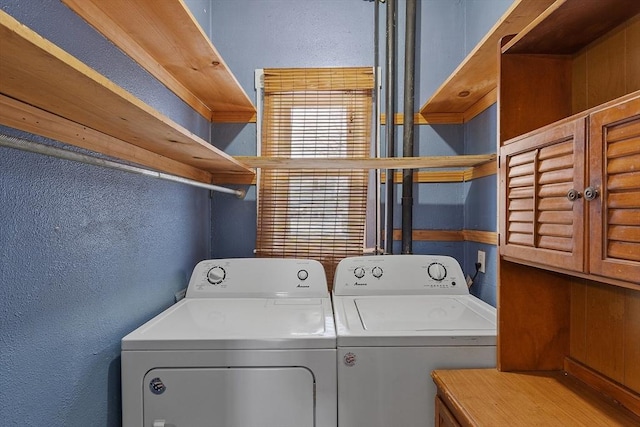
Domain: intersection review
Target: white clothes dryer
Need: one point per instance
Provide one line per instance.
(398, 317)
(252, 344)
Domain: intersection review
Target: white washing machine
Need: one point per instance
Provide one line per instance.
(398, 317)
(252, 344)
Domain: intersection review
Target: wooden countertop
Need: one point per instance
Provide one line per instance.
(487, 397)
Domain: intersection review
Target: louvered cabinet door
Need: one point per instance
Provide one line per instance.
(542, 211)
(614, 174)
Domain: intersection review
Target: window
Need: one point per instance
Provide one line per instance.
(314, 213)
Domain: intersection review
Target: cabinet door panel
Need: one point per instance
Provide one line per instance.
(540, 224)
(614, 149)
(444, 417)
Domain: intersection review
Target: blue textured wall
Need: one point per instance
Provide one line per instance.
(294, 33)
(480, 204)
(86, 254)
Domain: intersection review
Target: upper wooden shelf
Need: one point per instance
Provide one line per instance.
(39, 75)
(545, 36)
(471, 88)
(166, 40)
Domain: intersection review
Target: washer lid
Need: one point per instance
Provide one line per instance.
(243, 323)
(418, 314)
(414, 320)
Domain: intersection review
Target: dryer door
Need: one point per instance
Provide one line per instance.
(229, 397)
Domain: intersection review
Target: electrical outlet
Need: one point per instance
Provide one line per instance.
(481, 259)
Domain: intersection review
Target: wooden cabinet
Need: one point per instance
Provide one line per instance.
(569, 265)
(444, 417)
(614, 216)
(570, 194)
(540, 173)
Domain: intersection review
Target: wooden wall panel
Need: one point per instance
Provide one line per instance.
(605, 330)
(633, 53)
(533, 318)
(605, 326)
(632, 340)
(544, 81)
(578, 336)
(605, 70)
(608, 68)
(579, 84)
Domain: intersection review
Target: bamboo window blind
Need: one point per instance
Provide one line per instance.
(314, 213)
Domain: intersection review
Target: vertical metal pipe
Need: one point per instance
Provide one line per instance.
(390, 129)
(376, 121)
(408, 127)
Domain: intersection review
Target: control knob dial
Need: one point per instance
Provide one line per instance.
(377, 272)
(359, 272)
(437, 271)
(216, 275)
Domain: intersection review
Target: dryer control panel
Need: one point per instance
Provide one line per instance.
(399, 274)
(258, 277)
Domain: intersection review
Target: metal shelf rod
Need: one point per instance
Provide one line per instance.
(33, 147)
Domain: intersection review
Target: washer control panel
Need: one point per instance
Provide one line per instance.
(397, 274)
(259, 277)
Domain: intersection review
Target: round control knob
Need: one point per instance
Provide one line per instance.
(216, 275)
(359, 272)
(437, 271)
(377, 272)
(303, 274)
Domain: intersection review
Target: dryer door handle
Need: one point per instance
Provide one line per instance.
(162, 423)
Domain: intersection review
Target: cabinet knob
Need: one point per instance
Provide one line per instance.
(573, 195)
(590, 193)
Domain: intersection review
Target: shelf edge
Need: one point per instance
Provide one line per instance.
(365, 162)
(27, 118)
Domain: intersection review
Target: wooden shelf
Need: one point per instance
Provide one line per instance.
(366, 163)
(166, 40)
(38, 73)
(471, 88)
(544, 36)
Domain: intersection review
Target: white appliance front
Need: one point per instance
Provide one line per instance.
(234, 353)
(392, 386)
(191, 398)
(229, 388)
(398, 318)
